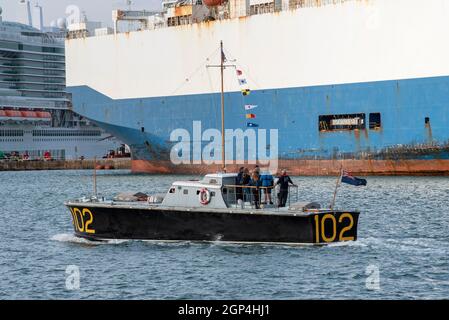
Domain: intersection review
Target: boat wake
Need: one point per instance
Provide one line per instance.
(358, 243)
(71, 238)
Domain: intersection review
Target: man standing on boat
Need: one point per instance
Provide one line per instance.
(267, 184)
(256, 184)
(238, 183)
(283, 182)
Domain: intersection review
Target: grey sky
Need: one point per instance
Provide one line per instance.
(96, 10)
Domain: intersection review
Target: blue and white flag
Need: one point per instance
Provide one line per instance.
(349, 179)
(252, 125)
(242, 82)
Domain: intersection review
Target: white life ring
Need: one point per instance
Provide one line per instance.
(204, 196)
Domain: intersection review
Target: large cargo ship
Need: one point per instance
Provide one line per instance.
(357, 84)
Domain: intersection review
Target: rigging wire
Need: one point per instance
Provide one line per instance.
(194, 73)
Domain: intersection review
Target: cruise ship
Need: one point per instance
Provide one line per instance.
(361, 85)
(36, 120)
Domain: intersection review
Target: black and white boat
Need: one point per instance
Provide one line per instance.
(212, 209)
(208, 210)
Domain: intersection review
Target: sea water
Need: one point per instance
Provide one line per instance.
(402, 251)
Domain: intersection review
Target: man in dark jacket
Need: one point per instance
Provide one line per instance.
(255, 190)
(283, 182)
(239, 182)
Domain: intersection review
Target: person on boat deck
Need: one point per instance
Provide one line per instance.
(238, 183)
(246, 179)
(267, 183)
(283, 182)
(256, 184)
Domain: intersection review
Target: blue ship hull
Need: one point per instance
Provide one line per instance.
(410, 135)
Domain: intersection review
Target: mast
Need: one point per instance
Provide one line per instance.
(223, 151)
(222, 67)
(95, 177)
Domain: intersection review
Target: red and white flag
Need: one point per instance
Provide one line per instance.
(250, 107)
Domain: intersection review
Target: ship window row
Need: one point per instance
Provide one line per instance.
(11, 133)
(356, 121)
(33, 72)
(66, 133)
(26, 47)
(179, 20)
(5, 54)
(11, 140)
(76, 139)
(29, 57)
(262, 8)
(41, 66)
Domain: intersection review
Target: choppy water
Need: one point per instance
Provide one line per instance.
(403, 230)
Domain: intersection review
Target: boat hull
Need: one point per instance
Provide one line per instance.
(112, 222)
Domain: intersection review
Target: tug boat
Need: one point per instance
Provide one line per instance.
(209, 210)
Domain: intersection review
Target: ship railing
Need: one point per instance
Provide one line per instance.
(253, 197)
(296, 4)
(9, 158)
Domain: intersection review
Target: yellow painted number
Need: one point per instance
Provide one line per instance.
(334, 228)
(82, 220)
(79, 217)
(322, 233)
(348, 228)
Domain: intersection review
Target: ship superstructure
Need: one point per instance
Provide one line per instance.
(35, 108)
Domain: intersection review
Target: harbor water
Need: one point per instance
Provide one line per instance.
(402, 251)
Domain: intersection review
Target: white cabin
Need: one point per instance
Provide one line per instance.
(187, 193)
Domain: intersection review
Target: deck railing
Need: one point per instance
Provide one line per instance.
(252, 197)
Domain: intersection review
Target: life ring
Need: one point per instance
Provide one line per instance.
(204, 196)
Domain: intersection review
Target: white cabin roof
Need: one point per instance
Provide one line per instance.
(195, 184)
(210, 181)
(221, 175)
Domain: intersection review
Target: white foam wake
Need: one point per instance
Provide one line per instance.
(71, 238)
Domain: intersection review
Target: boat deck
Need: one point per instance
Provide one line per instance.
(268, 210)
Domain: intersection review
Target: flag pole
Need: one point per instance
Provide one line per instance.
(336, 188)
(95, 177)
(223, 153)
(222, 67)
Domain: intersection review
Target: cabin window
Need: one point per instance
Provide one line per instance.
(212, 194)
(186, 191)
(427, 120)
(213, 181)
(339, 122)
(375, 121)
(225, 190)
(172, 190)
